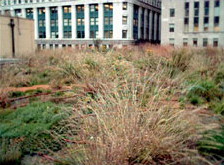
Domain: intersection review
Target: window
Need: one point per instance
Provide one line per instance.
(196, 24)
(215, 42)
(195, 42)
(106, 20)
(196, 8)
(186, 24)
(124, 20)
(125, 5)
(185, 41)
(217, 3)
(172, 12)
(171, 41)
(205, 42)
(171, 27)
(206, 23)
(124, 34)
(206, 8)
(186, 6)
(216, 23)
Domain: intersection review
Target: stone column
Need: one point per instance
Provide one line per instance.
(160, 27)
(155, 26)
(150, 25)
(35, 17)
(47, 20)
(12, 12)
(191, 17)
(221, 17)
(211, 17)
(139, 21)
(73, 22)
(201, 18)
(86, 15)
(23, 12)
(145, 22)
(117, 20)
(130, 20)
(101, 17)
(60, 22)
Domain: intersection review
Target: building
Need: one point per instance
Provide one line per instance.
(77, 23)
(193, 22)
(16, 36)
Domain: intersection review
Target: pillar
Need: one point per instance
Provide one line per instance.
(60, 22)
(73, 22)
(139, 21)
(117, 20)
(100, 14)
(150, 25)
(155, 26)
(145, 22)
(35, 17)
(23, 12)
(47, 20)
(130, 20)
(86, 15)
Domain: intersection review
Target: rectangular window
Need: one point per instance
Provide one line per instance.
(196, 8)
(215, 42)
(172, 12)
(206, 8)
(217, 3)
(125, 5)
(195, 42)
(171, 42)
(108, 20)
(185, 41)
(124, 34)
(186, 7)
(196, 19)
(216, 24)
(205, 42)
(171, 27)
(124, 20)
(206, 23)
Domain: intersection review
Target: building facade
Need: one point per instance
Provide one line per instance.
(61, 23)
(16, 37)
(193, 22)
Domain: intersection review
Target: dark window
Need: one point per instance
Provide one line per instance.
(216, 20)
(217, 4)
(124, 33)
(195, 42)
(172, 12)
(205, 42)
(196, 20)
(206, 20)
(196, 8)
(215, 42)
(186, 21)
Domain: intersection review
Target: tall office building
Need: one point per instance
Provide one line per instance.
(60, 23)
(193, 22)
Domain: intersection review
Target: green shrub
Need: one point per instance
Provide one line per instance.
(212, 143)
(205, 89)
(31, 123)
(16, 94)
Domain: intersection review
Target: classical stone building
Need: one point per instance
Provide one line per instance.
(193, 22)
(76, 23)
